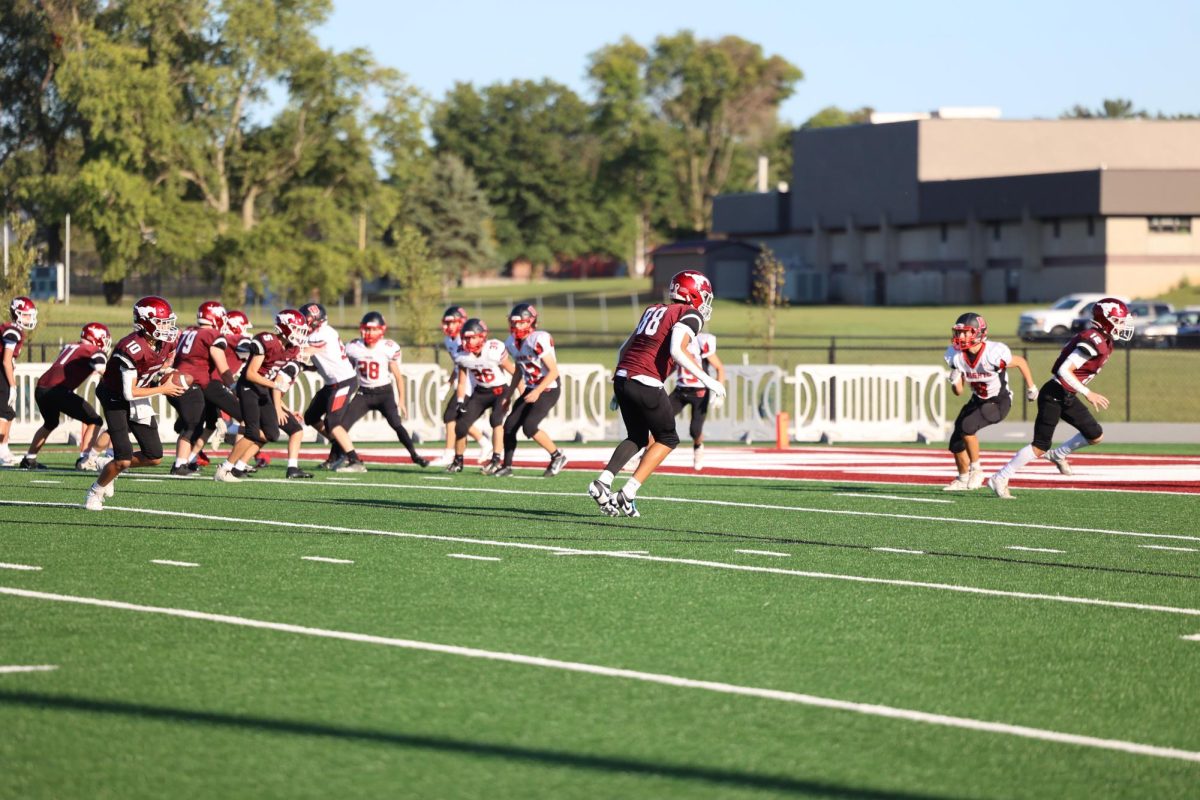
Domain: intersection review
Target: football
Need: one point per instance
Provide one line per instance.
(176, 377)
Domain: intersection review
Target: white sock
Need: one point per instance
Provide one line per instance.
(975, 466)
(294, 462)
(240, 465)
(4, 451)
(194, 457)
(108, 452)
(606, 478)
(962, 476)
(631, 487)
(1076, 442)
(32, 456)
(179, 462)
(1023, 457)
(96, 488)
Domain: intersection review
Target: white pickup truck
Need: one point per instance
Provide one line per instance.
(1055, 321)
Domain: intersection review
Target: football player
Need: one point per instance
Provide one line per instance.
(219, 397)
(125, 390)
(982, 365)
(1078, 363)
(55, 394)
(327, 411)
(381, 384)
(199, 354)
(691, 392)
(537, 373)
(23, 317)
(663, 335)
(483, 384)
(271, 365)
(452, 324)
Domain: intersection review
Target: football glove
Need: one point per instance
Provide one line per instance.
(1031, 393)
(718, 392)
(716, 401)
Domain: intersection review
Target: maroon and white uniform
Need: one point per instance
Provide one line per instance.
(529, 356)
(277, 357)
(192, 356)
(259, 420)
(231, 356)
(74, 365)
(1087, 353)
(701, 347)
(135, 356)
(647, 357)
(12, 337)
(134, 352)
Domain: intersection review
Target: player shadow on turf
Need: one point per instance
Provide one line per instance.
(447, 745)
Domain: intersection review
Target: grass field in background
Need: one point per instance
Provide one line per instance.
(152, 705)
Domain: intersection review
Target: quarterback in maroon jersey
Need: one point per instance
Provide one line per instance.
(1080, 361)
(660, 340)
(55, 393)
(128, 383)
(23, 317)
(199, 354)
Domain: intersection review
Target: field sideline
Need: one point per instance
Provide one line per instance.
(824, 630)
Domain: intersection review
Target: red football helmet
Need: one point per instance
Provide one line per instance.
(236, 324)
(452, 320)
(693, 288)
(153, 317)
(1111, 316)
(213, 313)
(522, 320)
(372, 328)
(97, 334)
(969, 330)
(23, 312)
(291, 326)
(474, 335)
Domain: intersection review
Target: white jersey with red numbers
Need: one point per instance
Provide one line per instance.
(986, 371)
(529, 355)
(329, 357)
(701, 347)
(373, 363)
(484, 368)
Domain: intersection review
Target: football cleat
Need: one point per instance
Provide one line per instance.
(86, 462)
(698, 458)
(31, 463)
(491, 467)
(485, 455)
(94, 501)
(957, 485)
(331, 464)
(182, 471)
(502, 472)
(296, 472)
(999, 487)
(1064, 466)
(202, 459)
(604, 498)
(194, 467)
(557, 462)
(420, 461)
(974, 479)
(351, 466)
(224, 474)
(7, 460)
(626, 506)
(455, 466)
(102, 462)
(442, 460)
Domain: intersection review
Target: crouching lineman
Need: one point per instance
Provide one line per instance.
(691, 392)
(533, 351)
(23, 314)
(453, 319)
(664, 333)
(1080, 360)
(55, 394)
(271, 367)
(125, 391)
(983, 366)
(327, 411)
(483, 385)
(380, 383)
(199, 354)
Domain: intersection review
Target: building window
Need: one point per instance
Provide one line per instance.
(1170, 224)
(1091, 226)
(996, 232)
(945, 232)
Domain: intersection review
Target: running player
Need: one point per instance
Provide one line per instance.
(663, 335)
(125, 391)
(533, 351)
(452, 324)
(199, 355)
(689, 391)
(23, 314)
(983, 365)
(483, 384)
(219, 397)
(327, 411)
(55, 394)
(1078, 363)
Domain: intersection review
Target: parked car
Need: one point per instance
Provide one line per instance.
(1163, 331)
(1188, 335)
(1144, 313)
(1056, 320)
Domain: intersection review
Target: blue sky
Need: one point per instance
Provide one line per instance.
(1030, 58)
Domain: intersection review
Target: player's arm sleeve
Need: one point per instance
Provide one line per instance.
(11, 338)
(679, 331)
(1066, 372)
(128, 379)
(99, 362)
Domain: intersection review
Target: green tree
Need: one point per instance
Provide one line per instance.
(768, 292)
(835, 117)
(410, 263)
(22, 257)
(1110, 108)
(452, 213)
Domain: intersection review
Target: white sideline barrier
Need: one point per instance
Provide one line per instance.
(869, 403)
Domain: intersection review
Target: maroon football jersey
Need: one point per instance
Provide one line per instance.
(135, 351)
(649, 349)
(74, 364)
(231, 355)
(192, 356)
(10, 334)
(270, 347)
(1093, 344)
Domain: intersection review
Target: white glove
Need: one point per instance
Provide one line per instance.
(954, 376)
(716, 401)
(1031, 393)
(718, 393)
(283, 383)
(12, 396)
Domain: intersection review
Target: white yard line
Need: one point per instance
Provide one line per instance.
(1164, 547)
(892, 497)
(24, 567)
(472, 558)
(601, 553)
(343, 480)
(834, 704)
(431, 478)
(45, 481)
(147, 480)
(167, 563)
(899, 550)
(764, 553)
(327, 560)
(948, 587)
(1034, 549)
(9, 670)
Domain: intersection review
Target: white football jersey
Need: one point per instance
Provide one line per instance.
(529, 355)
(329, 356)
(701, 347)
(985, 371)
(373, 363)
(484, 368)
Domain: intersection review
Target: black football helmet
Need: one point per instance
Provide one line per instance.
(969, 330)
(522, 320)
(453, 319)
(474, 335)
(314, 315)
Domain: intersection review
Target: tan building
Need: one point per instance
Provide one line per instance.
(981, 211)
